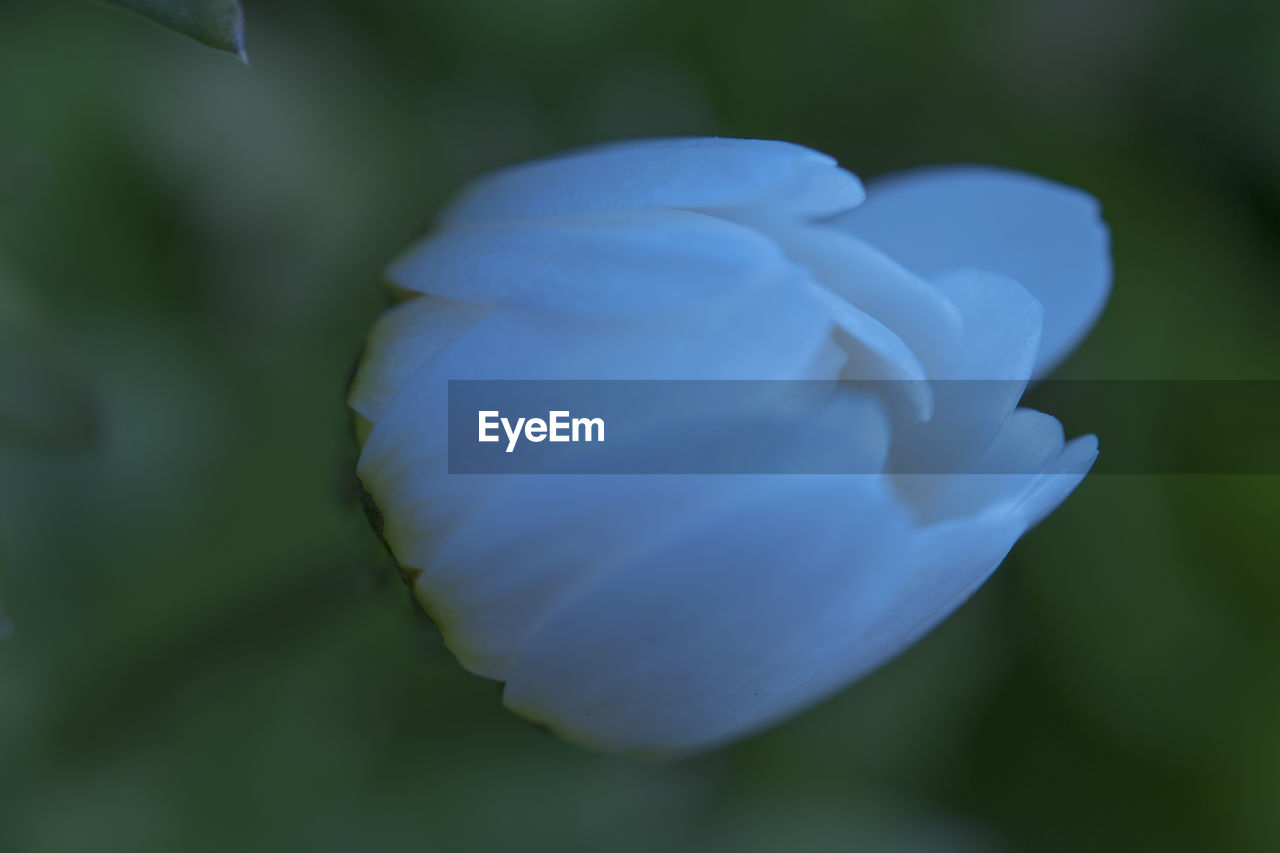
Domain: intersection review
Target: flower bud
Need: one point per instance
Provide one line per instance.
(673, 612)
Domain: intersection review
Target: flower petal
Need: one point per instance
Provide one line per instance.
(776, 332)
(1059, 480)
(684, 173)
(1027, 444)
(865, 277)
(635, 263)
(495, 577)
(772, 332)
(949, 560)
(742, 617)
(976, 394)
(875, 354)
(1047, 236)
(942, 566)
(402, 340)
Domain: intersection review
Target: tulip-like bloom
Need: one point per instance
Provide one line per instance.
(667, 614)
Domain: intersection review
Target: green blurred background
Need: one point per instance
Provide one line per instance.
(208, 651)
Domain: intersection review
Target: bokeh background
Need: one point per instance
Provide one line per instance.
(209, 652)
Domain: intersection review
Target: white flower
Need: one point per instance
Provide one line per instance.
(667, 614)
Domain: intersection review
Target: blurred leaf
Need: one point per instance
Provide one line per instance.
(217, 23)
(6, 627)
(42, 405)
